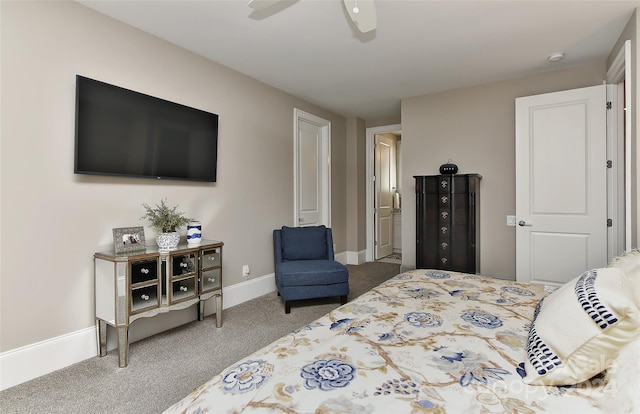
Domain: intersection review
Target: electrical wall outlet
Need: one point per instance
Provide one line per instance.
(245, 271)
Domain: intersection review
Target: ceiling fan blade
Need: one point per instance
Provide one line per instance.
(261, 4)
(362, 13)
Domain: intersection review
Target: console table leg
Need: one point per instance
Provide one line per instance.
(218, 299)
(201, 310)
(102, 337)
(123, 346)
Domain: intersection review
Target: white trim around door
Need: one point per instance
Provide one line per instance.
(370, 190)
(619, 74)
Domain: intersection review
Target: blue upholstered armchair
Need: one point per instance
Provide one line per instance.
(305, 267)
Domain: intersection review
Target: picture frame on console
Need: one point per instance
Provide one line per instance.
(128, 239)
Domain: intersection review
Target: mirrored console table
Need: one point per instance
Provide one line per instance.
(149, 282)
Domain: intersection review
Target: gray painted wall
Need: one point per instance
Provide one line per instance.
(475, 127)
(53, 221)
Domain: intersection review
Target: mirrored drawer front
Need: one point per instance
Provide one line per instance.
(183, 264)
(144, 271)
(183, 289)
(210, 258)
(144, 298)
(211, 280)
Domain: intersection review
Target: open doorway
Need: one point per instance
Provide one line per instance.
(384, 194)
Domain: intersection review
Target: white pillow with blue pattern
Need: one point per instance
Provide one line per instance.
(579, 329)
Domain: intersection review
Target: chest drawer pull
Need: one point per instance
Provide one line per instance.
(144, 270)
(144, 297)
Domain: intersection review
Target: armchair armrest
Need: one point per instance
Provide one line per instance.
(277, 246)
(330, 252)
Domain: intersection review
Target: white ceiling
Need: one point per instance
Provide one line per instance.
(310, 48)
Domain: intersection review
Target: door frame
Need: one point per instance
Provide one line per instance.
(619, 143)
(370, 188)
(616, 192)
(325, 188)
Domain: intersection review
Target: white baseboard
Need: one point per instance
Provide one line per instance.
(28, 362)
(356, 258)
(250, 289)
(342, 257)
(31, 361)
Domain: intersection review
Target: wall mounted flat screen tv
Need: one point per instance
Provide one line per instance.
(120, 132)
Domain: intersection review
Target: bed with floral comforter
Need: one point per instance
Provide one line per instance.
(424, 341)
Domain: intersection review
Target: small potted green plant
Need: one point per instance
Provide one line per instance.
(165, 221)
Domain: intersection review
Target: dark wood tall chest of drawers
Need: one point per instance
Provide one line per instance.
(448, 222)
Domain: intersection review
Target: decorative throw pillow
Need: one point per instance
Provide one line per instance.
(579, 329)
(304, 243)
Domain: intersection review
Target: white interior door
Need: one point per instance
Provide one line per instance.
(312, 169)
(561, 194)
(385, 164)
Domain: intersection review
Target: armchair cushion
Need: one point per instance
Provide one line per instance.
(311, 273)
(304, 243)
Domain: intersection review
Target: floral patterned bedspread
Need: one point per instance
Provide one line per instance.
(425, 341)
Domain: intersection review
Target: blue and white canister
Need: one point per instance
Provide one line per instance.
(194, 233)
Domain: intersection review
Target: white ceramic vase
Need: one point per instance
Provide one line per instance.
(168, 241)
(194, 233)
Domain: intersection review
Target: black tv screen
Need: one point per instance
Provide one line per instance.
(120, 132)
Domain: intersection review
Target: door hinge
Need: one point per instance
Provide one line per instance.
(375, 242)
(609, 164)
(609, 223)
(609, 105)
